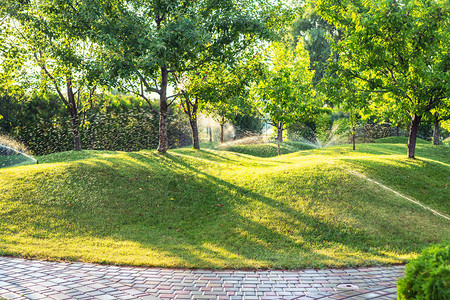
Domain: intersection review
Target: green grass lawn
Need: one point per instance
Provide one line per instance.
(14, 160)
(400, 140)
(219, 209)
(266, 149)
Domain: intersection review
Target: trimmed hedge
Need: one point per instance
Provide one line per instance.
(427, 277)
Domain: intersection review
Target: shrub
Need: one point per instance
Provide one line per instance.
(427, 277)
(121, 123)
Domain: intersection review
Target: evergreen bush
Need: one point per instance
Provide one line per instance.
(428, 276)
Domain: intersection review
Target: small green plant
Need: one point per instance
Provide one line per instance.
(427, 277)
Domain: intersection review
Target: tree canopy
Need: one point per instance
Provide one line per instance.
(284, 91)
(395, 47)
(46, 56)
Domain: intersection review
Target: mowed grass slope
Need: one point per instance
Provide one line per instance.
(266, 149)
(217, 209)
(14, 160)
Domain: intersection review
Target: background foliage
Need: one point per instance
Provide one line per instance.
(117, 123)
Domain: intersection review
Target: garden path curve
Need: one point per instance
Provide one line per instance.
(32, 279)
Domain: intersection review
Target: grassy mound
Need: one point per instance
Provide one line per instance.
(267, 149)
(399, 140)
(14, 160)
(298, 146)
(218, 209)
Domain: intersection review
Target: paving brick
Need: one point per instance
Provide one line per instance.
(204, 297)
(34, 296)
(10, 296)
(166, 296)
(86, 281)
(60, 296)
(85, 289)
(105, 297)
(183, 297)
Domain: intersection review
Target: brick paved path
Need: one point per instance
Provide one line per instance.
(27, 279)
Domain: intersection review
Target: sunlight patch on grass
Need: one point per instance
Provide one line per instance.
(218, 209)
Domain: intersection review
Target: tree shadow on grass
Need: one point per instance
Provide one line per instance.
(226, 157)
(401, 174)
(438, 153)
(205, 155)
(313, 234)
(166, 205)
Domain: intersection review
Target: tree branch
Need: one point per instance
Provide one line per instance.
(391, 71)
(72, 7)
(175, 97)
(156, 84)
(52, 79)
(147, 86)
(142, 96)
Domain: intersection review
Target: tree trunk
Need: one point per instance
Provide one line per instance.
(278, 147)
(354, 138)
(194, 127)
(415, 121)
(210, 135)
(280, 132)
(397, 131)
(279, 137)
(436, 129)
(163, 113)
(73, 110)
(222, 125)
(76, 133)
(191, 110)
(92, 137)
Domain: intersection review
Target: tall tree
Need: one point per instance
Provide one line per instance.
(146, 42)
(284, 91)
(218, 89)
(226, 109)
(395, 47)
(63, 60)
(436, 116)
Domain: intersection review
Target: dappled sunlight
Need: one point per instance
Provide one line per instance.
(263, 149)
(90, 249)
(190, 208)
(221, 257)
(253, 238)
(220, 251)
(227, 158)
(70, 156)
(206, 155)
(352, 257)
(386, 149)
(436, 161)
